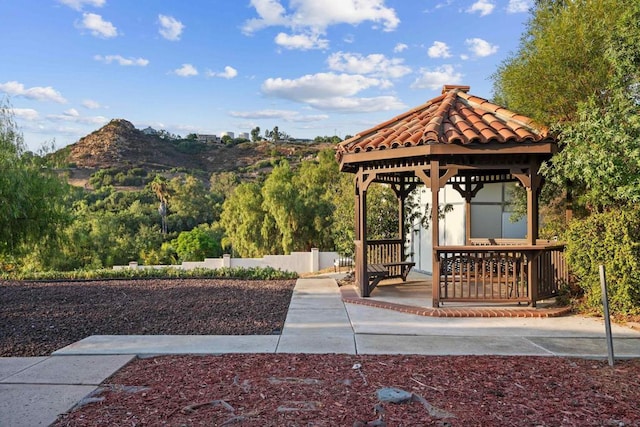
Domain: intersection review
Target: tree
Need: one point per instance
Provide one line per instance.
(159, 187)
(243, 220)
(560, 61)
(200, 243)
(255, 134)
(32, 197)
(318, 184)
(222, 184)
(191, 204)
(328, 139)
(281, 202)
(591, 52)
(600, 148)
(576, 71)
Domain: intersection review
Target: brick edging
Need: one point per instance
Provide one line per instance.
(349, 295)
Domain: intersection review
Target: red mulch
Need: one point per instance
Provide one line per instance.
(330, 390)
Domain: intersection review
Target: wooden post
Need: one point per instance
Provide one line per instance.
(532, 228)
(401, 223)
(360, 234)
(363, 181)
(434, 184)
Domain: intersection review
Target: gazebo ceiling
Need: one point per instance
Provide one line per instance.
(453, 123)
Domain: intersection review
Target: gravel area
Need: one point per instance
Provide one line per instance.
(259, 390)
(37, 318)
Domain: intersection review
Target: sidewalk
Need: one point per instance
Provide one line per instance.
(33, 391)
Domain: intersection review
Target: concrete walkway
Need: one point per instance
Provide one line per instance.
(33, 391)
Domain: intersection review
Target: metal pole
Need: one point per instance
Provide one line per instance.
(607, 320)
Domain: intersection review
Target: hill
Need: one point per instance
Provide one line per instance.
(120, 145)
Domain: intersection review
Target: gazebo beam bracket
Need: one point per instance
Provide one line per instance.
(469, 192)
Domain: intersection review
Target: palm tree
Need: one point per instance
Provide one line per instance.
(159, 186)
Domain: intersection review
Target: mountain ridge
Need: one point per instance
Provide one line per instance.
(118, 144)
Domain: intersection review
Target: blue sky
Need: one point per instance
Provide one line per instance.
(310, 67)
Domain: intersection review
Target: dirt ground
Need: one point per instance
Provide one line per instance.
(37, 318)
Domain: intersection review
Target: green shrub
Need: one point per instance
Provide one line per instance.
(255, 273)
(612, 239)
(197, 244)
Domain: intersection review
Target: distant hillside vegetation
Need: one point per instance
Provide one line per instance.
(119, 145)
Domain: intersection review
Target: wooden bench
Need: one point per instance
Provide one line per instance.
(388, 270)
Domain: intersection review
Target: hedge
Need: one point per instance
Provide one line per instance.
(611, 239)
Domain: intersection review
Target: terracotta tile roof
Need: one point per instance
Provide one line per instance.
(454, 117)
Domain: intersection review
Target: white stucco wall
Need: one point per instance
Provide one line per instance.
(300, 262)
(489, 218)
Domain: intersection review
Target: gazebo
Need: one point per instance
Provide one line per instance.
(466, 142)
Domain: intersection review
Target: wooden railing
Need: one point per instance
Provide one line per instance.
(499, 273)
(552, 272)
(509, 242)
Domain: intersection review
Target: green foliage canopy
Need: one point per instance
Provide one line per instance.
(200, 243)
(600, 149)
(560, 60)
(32, 197)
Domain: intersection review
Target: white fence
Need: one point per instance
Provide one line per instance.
(300, 262)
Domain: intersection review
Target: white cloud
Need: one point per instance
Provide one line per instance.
(400, 47)
(320, 15)
(72, 112)
(311, 17)
(480, 47)
(316, 86)
(97, 26)
(170, 27)
(439, 50)
(446, 3)
(187, 70)
(484, 7)
(375, 64)
(301, 41)
(228, 73)
(38, 93)
(287, 115)
(26, 113)
(271, 13)
(436, 78)
(308, 118)
(73, 116)
(79, 4)
(519, 6)
(108, 59)
(330, 91)
(359, 105)
(91, 104)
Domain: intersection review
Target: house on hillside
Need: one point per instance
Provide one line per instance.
(207, 138)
